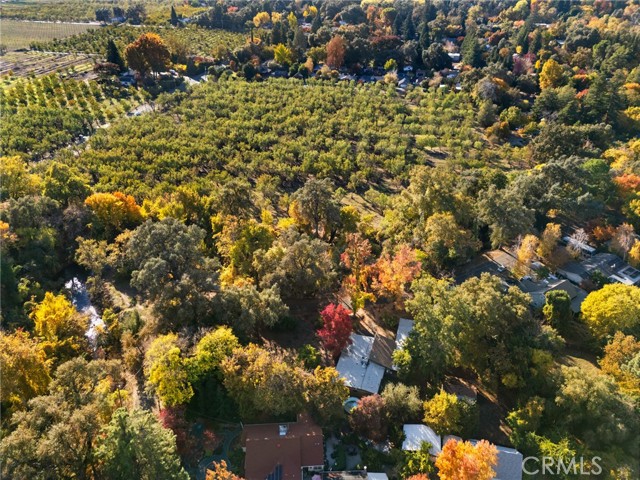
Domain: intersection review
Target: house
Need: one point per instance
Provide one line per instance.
(355, 365)
(455, 57)
(416, 434)
(538, 291)
(584, 249)
(607, 264)
(351, 475)
(365, 361)
(280, 451)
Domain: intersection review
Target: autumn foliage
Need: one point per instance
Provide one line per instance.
(115, 210)
(394, 272)
(220, 472)
(148, 54)
(336, 49)
(465, 461)
(337, 328)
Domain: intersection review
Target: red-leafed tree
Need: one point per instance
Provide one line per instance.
(190, 448)
(369, 418)
(337, 328)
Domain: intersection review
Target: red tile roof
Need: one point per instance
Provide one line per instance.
(302, 446)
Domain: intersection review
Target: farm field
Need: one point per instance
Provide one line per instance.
(14, 65)
(194, 40)
(18, 34)
(84, 10)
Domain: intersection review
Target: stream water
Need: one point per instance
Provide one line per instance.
(80, 298)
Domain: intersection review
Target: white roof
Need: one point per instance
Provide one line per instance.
(377, 476)
(509, 464)
(355, 368)
(405, 326)
(415, 434)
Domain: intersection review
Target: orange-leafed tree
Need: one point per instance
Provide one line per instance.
(336, 49)
(356, 258)
(147, 54)
(394, 272)
(465, 461)
(419, 476)
(219, 472)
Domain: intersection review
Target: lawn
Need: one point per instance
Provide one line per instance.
(15, 34)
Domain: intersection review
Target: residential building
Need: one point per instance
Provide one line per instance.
(280, 451)
(607, 264)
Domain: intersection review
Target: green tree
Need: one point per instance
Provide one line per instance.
(64, 183)
(135, 445)
(248, 309)
(503, 211)
(470, 49)
(591, 407)
(262, 381)
(56, 436)
(417, 462)
(557, 309)
(301, 265)
(113, 54)
(402, 402)
(314, 206)
(436, 58)
(166, 371)
(170, 268)
(174, 17)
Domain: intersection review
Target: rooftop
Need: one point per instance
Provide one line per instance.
(416, 434)
(509, 463)
(356, 368)
(382, 351)
(278, 451)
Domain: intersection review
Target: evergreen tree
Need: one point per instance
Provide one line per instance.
(408, 28)
(471, 52)
(316, 24)
(397, 25)
(174, 17)
(113, 54)
(424, 38)
(135, 445)
(300, 40)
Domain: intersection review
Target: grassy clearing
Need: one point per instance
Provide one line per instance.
(15, 34)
